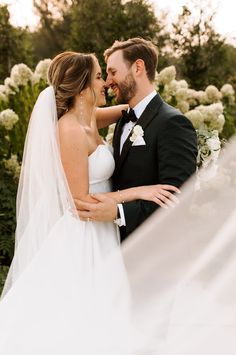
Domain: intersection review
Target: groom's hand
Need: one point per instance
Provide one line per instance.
(104, 210)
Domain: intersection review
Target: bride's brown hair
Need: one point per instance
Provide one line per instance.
(69, 73)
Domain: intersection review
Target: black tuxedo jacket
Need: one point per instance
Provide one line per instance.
(169, 157)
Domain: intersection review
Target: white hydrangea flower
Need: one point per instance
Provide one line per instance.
(21, 74)
(166, 75)
(109, 138)
(214, 145)
(35, 79)
(213, 94)
(209, 146)
(182, 84)
(218, 124)
(3, 94)
(12, 166)
(201, 97)
(10, 86)
(192, 97)
(213, 142)
(110, 133)
(111, 128)
(42, 68)
(181, 94)
(227, 90)
(173, 86)
(183, 106)
(196, 117)
(166, 94)
(110, 92)
(213, 115)
(8, 119)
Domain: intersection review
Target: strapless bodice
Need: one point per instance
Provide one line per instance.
(101, 167)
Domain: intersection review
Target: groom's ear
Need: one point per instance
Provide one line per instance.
(139, 67)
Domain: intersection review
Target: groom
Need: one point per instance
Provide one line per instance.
(162, 149)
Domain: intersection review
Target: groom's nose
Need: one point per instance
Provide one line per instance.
(108, 81)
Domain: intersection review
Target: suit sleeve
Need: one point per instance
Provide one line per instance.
(176, 157)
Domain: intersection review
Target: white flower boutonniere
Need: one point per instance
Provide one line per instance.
(137, 136)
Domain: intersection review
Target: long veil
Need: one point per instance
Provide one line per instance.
(43, 194)
(182, 269)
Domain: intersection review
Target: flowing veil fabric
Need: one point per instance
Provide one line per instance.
(182, 269)
(41, 176)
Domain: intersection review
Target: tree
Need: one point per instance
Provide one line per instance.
(97, 24)
(200, 49)
(92, 25)
(15, 45)
(49, 38)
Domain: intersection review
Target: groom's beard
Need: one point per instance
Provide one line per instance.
(127, 89)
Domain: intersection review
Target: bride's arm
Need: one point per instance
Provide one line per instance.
(74, 156)
(163, 195)
(108, 115)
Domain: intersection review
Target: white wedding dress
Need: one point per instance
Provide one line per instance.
(66, 291)
(60, 303)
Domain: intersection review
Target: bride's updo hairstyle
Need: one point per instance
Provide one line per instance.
(69, 73)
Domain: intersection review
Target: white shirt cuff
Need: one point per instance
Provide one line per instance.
(122, 221)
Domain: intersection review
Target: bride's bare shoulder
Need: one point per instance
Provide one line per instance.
(70, 130)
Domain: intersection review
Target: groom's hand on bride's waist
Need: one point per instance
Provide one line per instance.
(104, 210)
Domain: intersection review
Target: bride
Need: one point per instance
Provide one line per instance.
(66, 291)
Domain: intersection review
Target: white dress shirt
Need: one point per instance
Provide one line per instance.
(138, 109)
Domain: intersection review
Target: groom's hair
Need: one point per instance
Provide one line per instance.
(137, 48)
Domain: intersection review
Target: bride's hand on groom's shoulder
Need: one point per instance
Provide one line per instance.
(104, 210)
(162, 195)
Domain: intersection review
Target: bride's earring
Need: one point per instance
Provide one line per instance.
(81, 105)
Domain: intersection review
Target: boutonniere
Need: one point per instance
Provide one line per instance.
(137, 136)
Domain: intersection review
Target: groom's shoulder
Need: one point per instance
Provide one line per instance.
(160, 107)
(169, 115)
(169, 111)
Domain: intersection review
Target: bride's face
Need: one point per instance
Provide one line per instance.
(98, 85)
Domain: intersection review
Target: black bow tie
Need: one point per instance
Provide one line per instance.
(128, 116)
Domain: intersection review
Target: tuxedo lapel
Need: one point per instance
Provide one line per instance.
(147, 116)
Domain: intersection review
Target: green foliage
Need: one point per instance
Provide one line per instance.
(204, 56)
(7, 221)
(230, 120)
(15, 44)
(92, 25)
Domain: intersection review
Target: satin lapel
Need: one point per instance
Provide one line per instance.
(116, 140)
(147, 116)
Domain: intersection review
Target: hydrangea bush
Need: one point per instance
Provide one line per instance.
(17, 97)
(209, 112)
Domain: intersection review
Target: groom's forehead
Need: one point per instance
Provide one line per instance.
(114, 60)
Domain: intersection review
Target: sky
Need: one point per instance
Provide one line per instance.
(22, 13)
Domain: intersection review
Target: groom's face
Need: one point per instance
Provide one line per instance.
(120, 78)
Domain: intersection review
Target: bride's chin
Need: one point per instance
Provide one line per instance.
(102, 101)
